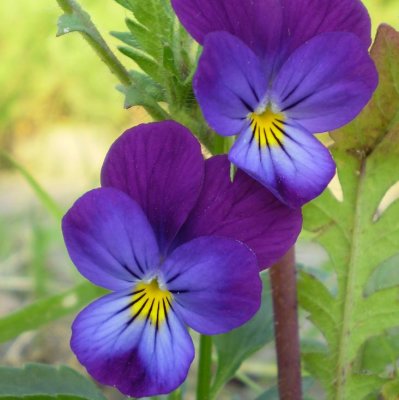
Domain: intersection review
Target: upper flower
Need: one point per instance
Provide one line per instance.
(275, 72)
(170, 235)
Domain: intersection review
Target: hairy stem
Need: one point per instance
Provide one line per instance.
(284, 292)
(204, 368)
(96, 41)
(100, 46)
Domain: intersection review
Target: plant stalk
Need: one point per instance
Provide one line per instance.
(204, 368)
(92, 35)
(96, 41)
(286, 327)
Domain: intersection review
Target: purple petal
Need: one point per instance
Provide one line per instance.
(130, 353)
(296, 171)
(215, 282)
(109, 239)
(270, 26)
(161, 167)
(256, 22)
(243, 210)
(305, 19)
(227, 88)
(324, 89)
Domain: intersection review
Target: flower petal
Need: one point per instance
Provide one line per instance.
(129, 352)
(270, 25)
(296, 171)
(160, 166)
(243, 210)
(215, 283)
(109, 239)
(227, 88)
(324, 89)
(304, 19)
(256, 22)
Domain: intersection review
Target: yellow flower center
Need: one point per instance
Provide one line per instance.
(151, 302)
(267, 127)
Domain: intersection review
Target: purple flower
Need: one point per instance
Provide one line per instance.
(166, 235)
(275, 72)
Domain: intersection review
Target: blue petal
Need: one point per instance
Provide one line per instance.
(296, 170)
(109, 239)
(229, 83)
(215, 283)
(120, 348)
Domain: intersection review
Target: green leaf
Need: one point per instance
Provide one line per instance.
(379, 352)
(156, 15)
(145, 62)
(384, 276)
(46, 310)
(358, 243)
(125, 37)
(41, 194)
(145, 40)
(364, 134)
(234, 347)
(126, 4)
(42, 382)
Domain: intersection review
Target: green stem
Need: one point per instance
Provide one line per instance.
(204, 368)
(92, 35)
(96, 41)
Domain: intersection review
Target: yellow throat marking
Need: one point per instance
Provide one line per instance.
(268, 128)
(151, 302)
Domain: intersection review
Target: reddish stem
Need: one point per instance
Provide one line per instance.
(284, 292)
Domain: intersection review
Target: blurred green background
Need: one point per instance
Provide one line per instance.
(59, 112)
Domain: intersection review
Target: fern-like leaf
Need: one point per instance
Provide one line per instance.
(359, 240)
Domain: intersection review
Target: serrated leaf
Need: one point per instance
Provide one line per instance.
(320, 303)
(144, 91)
(43, 381)
(126, 38)
(380, 351)
(156, 15)
(71, 23)
(366, 153)
(46, 310)
(145, 62)
(234, 347)
(145, 40)
(126, 4)
(383, 109)
(384, 276)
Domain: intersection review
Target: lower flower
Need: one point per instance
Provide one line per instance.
(179, 245)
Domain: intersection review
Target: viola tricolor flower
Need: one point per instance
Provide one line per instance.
(171, 237)
(275, 72)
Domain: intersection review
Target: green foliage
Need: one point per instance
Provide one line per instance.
(236, 346)
(46, 310)
(166, 54)
(359, 240)
(41, 194)
(44, 382)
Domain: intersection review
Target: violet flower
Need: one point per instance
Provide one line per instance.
(166, 235)
(275, 72)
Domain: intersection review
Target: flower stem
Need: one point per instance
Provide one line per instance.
(284, 292)
(96, 41)
(92, 35)
(204, 368)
